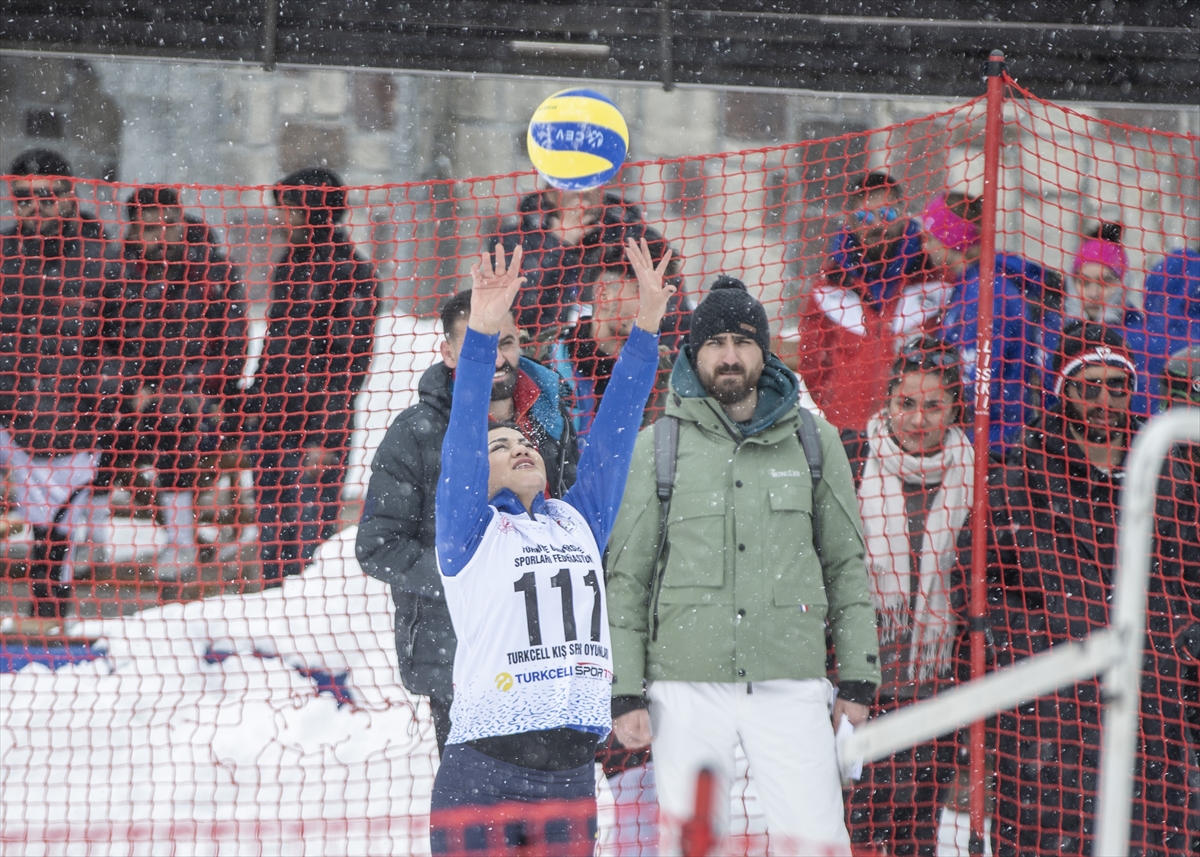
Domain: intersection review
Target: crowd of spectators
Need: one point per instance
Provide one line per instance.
(127, 354)
(122, 361)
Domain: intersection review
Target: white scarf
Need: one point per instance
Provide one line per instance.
(885, 529)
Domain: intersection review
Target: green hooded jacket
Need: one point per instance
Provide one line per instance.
(743, 595)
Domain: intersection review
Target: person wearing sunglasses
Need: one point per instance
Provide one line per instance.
(849, 322)
(1095, 291)
(1052, 554)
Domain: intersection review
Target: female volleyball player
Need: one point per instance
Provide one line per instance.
(523, 576)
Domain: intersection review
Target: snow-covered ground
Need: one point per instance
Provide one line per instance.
(271, 723)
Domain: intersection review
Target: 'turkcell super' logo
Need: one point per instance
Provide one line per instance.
(504, 681)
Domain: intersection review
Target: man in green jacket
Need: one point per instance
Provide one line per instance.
(725, 625)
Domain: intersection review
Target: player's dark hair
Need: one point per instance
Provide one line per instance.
(40, 162)
(324, 199)
(969, 208)
(878, 180)
(512, 424)
(611, 256)
(1105, 231)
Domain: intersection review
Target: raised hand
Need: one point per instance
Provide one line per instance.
(653, 294)
(494, 287)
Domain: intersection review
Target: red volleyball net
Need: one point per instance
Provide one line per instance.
(194, 381)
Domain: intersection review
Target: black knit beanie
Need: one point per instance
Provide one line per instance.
(729, 308)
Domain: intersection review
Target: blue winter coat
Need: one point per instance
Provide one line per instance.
(1016, 344)
(1172, 311)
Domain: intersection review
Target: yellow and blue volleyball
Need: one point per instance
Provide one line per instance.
(577, 139)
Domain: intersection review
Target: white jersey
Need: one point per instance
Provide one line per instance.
(532, 624)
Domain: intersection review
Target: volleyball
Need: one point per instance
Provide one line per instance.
(577, 139)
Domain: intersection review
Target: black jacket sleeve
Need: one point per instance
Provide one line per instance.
(395, 541)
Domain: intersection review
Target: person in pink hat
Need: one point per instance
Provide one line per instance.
(1096, 293)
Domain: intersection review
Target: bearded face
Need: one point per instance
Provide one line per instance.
(729, 366)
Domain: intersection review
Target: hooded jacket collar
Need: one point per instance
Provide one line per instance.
(778, 397)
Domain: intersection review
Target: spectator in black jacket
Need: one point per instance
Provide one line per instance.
(51, 387)
(1052, 547)
(320, 331)
(175, 325)
(396, 535)
(560, 233)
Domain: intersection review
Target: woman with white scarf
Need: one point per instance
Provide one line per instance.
(914, 468)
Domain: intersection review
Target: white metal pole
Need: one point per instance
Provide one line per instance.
(1127, 620)
(1060, 667)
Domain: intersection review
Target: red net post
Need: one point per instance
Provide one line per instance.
(993, 137)
(697, 836)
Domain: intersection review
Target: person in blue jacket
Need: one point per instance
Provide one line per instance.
(952, 244)
(524, 581)
(1172, 309)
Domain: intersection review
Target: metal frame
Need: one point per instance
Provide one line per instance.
(1116, 653)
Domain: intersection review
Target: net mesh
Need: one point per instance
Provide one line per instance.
(194, 381)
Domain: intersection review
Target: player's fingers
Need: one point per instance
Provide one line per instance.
(485, 265)
(500, 267)
(633, 254)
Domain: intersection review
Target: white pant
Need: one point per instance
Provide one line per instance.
(635, 806)
(785, 731)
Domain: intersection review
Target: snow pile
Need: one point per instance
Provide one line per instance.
(267, 723)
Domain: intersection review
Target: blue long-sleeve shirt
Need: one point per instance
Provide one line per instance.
(464, 509)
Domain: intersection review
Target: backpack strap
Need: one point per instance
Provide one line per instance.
(810, 442)
(666, 450)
